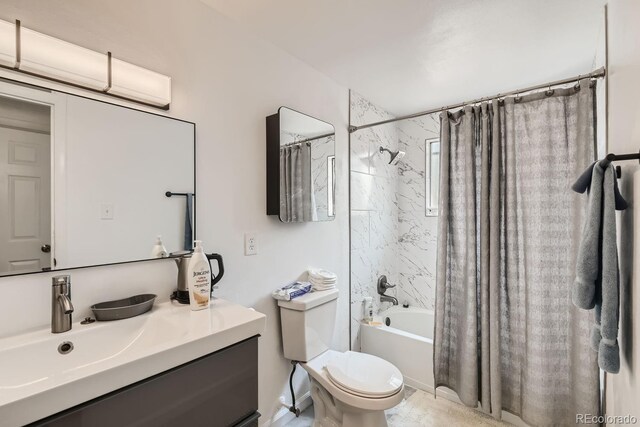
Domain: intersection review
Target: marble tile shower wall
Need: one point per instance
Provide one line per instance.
(417, 240)
(374, 209)
(390, 233)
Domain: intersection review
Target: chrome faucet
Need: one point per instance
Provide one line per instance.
(389, 298)
(61, 307)
(383, 285)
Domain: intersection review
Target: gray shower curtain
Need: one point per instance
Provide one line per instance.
(297, 198)
(507, 335)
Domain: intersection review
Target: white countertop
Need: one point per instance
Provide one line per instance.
(36, 381)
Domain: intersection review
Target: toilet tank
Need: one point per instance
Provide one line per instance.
(307, 324)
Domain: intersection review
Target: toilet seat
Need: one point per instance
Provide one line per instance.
(364, 375)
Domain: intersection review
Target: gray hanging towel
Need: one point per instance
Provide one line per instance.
(597, 276)
(188, 223)
(583, 183)
(604, 338)
(583, 293)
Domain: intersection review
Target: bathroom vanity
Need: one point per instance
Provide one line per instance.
(171, 366)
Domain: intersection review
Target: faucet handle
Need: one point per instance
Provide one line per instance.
(64, 282)
(383, 285)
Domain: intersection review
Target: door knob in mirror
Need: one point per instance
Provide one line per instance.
(46, 248)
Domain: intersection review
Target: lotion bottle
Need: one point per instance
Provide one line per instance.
(159, 251)
(199, 281)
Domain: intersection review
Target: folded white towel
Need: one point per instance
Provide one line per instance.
(322, 275)
(313, 279)
(322, 280)
(322, 286)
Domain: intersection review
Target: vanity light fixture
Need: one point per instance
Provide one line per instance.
(47, 56)
(38, 54)
(7, 44)
(139, 84)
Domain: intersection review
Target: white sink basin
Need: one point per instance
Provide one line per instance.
(36, 380)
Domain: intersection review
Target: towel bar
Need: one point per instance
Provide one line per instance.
(170, 194)
(611, 157)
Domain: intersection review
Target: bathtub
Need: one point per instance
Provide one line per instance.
(406, 340)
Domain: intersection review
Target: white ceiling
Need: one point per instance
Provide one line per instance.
(409, 55)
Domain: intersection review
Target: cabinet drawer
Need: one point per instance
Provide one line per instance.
(217, 390)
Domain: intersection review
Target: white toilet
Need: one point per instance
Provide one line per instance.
(348, 389)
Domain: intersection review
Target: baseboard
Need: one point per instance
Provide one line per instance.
(418, 385)
(283, 415)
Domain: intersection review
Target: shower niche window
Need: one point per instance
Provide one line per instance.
(432, 176)
(300, 167)
(331, 184)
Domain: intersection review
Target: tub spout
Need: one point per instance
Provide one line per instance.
(387, 298)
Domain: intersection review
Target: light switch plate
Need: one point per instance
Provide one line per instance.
(106, 211)
(250, 244)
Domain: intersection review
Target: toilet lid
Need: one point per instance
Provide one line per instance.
(364, 375)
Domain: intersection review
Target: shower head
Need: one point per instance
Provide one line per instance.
(395, 155)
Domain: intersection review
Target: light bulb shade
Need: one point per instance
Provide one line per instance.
(7, 44)
(50, 57)
(55, 59)
(133, 82)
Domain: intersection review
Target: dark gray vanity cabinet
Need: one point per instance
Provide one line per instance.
(217, 390)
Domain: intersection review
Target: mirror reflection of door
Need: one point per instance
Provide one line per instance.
(25, 186)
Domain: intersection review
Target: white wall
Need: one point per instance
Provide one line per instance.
(623, 389)
(227, 82)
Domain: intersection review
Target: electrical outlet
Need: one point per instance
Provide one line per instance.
(250, 244)
(106, 211)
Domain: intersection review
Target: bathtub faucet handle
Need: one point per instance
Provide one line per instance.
(383, 284)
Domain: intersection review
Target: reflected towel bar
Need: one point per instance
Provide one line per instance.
(170, 194)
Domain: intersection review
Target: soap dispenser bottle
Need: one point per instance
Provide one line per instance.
(368, 309)
(159, 251)
(199, 278)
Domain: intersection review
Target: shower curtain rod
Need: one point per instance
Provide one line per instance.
(308, 140)
(599, 73)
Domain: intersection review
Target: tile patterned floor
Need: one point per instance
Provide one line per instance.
(421, 409)
(304, 420)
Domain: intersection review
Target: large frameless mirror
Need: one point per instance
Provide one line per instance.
(84, 182)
